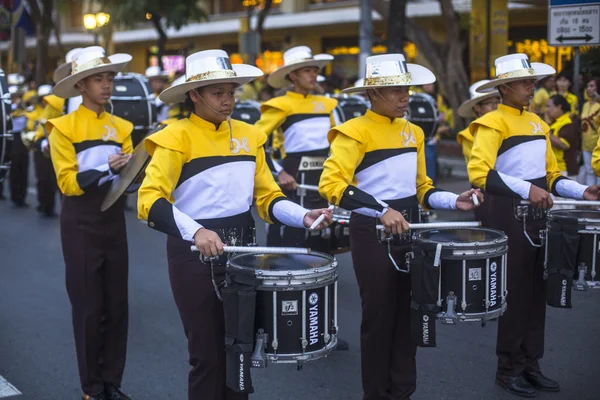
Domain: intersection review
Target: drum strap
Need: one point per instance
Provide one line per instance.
(563, 245)
(424, 308)
(239, 306)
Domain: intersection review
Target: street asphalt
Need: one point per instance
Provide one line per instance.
(37, 354)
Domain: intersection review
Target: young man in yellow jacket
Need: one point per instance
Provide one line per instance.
(512, 160)
(89, 147)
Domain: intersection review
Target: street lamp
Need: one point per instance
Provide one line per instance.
(93, 22)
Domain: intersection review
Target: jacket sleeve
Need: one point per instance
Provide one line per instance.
(64, 161)
(596, 157)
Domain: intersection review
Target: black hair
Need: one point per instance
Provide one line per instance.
(565, 74)
(188, 104)
(559, 101)
(595, 79)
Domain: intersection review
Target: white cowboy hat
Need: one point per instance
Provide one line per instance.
(392, 70)
(293, 59)
(14, 90)
(63, 70)
(516, 67)
(359, 82)
(155, 72)
(15, 79)
(205, 68)
(44, 90)
(87, 62)
(466, 109)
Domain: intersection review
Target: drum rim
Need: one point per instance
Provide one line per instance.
(558, 215)
(500, 242)
(330, 268)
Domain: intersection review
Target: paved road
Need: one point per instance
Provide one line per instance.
(37, 352)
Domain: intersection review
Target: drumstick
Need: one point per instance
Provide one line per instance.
(436, 225)
(593, 203)
(320, 219)
(257, 249)
(308, 187)
(475, 199)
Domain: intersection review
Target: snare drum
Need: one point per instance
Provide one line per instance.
(338, 233)
(472, 271)
(296, 303)
(587, 224)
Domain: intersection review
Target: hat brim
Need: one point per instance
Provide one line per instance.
(541, 71)
(419, 76)
(61, 72)
(466, 109)
(65, 88)
(244, 74)
(278, 79)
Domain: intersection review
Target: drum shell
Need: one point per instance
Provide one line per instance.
(246, 111)
(352, 106)
(422, 111)
(289, 307)
(133, 100)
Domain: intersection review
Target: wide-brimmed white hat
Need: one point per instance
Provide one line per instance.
(293, 59)
(154, 71)
(516, 67)
(392, 70)
(87, 62)
(15, 79)
(44, 90)
(466, 109)
(64, 69)
(209, 67)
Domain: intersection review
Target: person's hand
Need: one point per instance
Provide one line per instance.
(394, 222)
(313, 215)
(592, 193)
(464, 202)
(540, 198)
(286, 181)
(208, 242)
(118, 161)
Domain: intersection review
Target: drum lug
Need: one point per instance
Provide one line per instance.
(327, 337)
(581, 284)
(304, 345)
(275, 345)
(259, 358)
(449, 317)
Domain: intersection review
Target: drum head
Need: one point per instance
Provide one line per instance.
(469, 237)
(575, 215)
(281, 262)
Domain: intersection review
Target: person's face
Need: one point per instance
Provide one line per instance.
(486, 106)
(519, 93)
(563, 84)
(305, 79)
(32, 85)
(553, 111)
(214, 102)
(550, 84)
(157, 84)
(591, 88)
(97, 88)
(391, 102)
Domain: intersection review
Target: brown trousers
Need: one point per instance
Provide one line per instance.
(521, 330)
(95, 251)
(19, 170)
(203, 322)
(388, 354)
(46, 183)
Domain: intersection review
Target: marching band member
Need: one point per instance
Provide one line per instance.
(19, 164)
(199, 187)
(511, 160)
(377, 170)
(158, 80)
(564, 136)
(477, 106)
(175, 112)
(89, 147)
(305, 120)
(46, 179)
(590, 126)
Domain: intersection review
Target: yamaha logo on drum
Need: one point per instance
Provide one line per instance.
(563, 293)
(493, 284)
(242, 383)
(425, 329)
(313, 299)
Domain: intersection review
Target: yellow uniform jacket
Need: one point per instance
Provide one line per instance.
(511, 152)
(465, 139)
(80, 144)
(376, 162)
(197, 178)
(54, 108)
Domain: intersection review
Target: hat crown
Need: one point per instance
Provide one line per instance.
(15, 79)
(87, 58)
(297, 54)
(71, 54)
(386, 65)
(208, 64)
(512, 63)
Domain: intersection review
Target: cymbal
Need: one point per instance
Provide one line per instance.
(130, 177)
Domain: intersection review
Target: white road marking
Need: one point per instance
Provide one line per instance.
(6, 389)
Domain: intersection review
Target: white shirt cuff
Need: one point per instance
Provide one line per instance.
(443, 200)
(290, 213)
(44, 145)
(186, 225)
(517, 185)
(570, 189)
